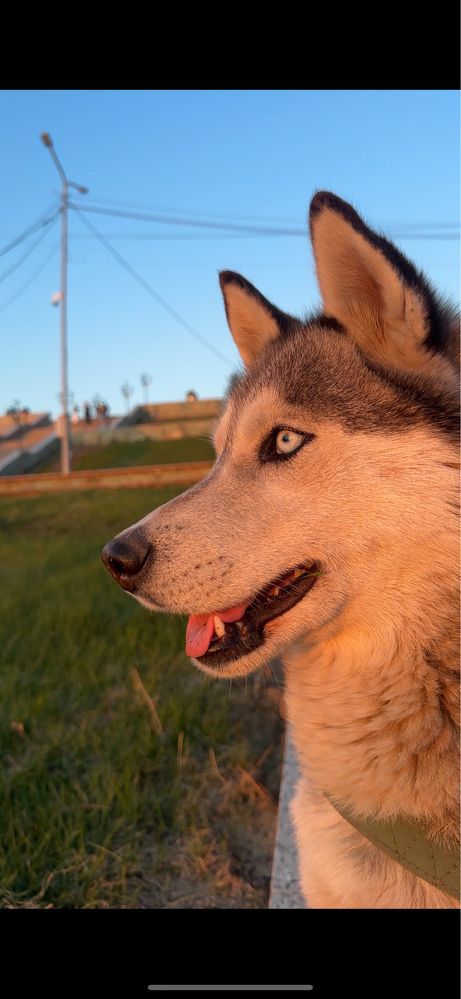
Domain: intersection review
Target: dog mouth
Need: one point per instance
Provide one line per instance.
(219, 638)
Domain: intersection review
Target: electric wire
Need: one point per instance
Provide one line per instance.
(31, 248)
(271, 219)
(24, 287)
(151, 291)
(198, 223)
(181, 235)
(260, 230)
(42, 221)
(252, 235)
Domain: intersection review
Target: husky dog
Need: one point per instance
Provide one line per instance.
(326, 532)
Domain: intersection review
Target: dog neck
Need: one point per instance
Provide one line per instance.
(375, 717)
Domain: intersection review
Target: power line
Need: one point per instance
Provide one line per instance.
(425, 225)
(299, 231)
(183, 235)
(426, 235)
(151, 291)
(31, 248)
(283, 220)
(155, 236)
(198, 223)
(277, 219)
(42, 221)
(31, 279)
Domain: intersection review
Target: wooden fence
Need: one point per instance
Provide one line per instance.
(150, 476)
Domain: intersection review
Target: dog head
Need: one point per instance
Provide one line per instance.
(329, 501)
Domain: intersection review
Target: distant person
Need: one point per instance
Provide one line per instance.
(87, 412)
(75, 418)
(191, 396)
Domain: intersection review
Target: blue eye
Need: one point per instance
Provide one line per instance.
(282, 443)
(287, 441)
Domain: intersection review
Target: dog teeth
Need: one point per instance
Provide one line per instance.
(289, 578)
(219, 626)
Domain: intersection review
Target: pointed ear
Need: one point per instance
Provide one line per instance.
(253, 321)
(384, 303)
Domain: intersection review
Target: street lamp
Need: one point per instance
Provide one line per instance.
(127, 391)
(146, 380)
(61, 298)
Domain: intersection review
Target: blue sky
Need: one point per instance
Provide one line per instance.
(239, 155)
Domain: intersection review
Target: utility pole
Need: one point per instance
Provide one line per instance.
(62, 299)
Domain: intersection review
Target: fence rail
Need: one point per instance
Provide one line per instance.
(184, 473)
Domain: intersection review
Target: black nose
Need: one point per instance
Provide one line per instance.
(125, 558)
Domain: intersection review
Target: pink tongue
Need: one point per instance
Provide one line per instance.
(199, 632)
(200, 628)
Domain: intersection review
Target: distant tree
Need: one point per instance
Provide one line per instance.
(14, 409)
(100, 407)
(17, 411)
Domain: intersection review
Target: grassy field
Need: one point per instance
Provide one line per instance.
(99, 805)
(120, 454)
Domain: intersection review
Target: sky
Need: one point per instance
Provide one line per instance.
(243, 157)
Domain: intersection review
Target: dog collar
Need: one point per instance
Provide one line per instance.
(408, 844)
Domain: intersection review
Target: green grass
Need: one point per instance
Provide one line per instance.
(121, 454)
(96, 808)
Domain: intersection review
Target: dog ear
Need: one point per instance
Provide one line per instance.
(253, 321)
(380, 298)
